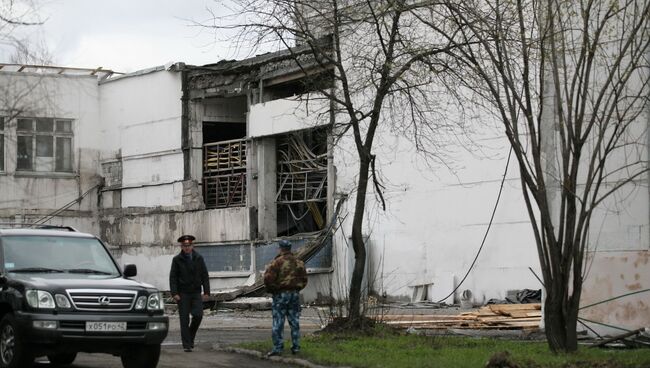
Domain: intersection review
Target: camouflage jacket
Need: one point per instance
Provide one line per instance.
(285, 273)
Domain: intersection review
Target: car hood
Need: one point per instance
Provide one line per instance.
(77, 281)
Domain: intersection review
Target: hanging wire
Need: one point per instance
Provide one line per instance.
(494, 210)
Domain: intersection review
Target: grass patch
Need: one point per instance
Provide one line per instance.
(396, 350)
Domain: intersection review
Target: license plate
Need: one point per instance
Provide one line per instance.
(106, 326)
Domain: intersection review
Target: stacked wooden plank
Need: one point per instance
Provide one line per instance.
(494, 316)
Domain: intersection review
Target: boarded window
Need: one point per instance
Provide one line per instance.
(44, 144)
(224, 174)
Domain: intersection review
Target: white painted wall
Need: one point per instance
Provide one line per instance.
(435, 221)
(141, 125)
(284, 115)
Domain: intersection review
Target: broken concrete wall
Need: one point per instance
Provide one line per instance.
(147, 237)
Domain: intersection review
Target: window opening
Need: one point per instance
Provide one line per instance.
(302, 182)
(44, 144)
(224, 164)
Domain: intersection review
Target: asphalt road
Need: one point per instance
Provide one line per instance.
(173, 356)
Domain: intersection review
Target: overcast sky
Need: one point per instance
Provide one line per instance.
(128, 35)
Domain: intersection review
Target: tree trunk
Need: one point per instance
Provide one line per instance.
(358, 244)
(561, 317)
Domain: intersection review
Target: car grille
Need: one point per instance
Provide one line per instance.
(102, 300)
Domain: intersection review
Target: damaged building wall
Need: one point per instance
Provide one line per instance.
(148, 239)
(51, 155)
(257, 94)
(148, 201)
(616, 291)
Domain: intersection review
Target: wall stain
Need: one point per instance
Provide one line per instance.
(634, 287)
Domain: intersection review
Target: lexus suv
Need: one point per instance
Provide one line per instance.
(61, 292)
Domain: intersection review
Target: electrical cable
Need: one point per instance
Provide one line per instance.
(496, 204)
(69, 204)
(614, 298)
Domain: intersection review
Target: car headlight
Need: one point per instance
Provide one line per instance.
(62, 301)
(39, 299)
(155, 301)
(141, 303)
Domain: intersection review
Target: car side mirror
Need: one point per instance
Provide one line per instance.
(130, 270)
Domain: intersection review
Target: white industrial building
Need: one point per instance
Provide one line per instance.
(228, 153)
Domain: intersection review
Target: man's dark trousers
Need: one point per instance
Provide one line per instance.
(190, 304)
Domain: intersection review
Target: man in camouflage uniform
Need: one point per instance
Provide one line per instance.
(284, 278)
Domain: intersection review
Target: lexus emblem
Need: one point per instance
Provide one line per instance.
(104, 300)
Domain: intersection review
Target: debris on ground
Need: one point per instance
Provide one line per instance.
(493, 316)
(635, 338)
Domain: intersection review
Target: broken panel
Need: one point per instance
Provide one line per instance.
(224, 174)
(264, 253)
(302, 181)
(227, 257)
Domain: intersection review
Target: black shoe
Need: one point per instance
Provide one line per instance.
(273, 353)
(295, 351)
(187, 350)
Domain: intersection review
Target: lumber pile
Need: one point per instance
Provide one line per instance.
(494, 316)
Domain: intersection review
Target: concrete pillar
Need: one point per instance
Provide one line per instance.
(267, 214)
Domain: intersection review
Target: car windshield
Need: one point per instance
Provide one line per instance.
(56, 254)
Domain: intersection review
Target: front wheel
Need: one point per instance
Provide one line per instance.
(13, 351)
(143, 356)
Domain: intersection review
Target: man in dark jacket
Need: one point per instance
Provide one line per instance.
(188, 274)
(284, 278)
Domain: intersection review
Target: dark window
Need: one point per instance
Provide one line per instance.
(24, 159)
(44, 144)
(25, 125)
(44, 125)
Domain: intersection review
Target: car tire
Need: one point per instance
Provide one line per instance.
(62, 359)
(143, 356)
(14, 353)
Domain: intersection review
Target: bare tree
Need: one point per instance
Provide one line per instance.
(569, 81)
(382, 70)
(15, 17)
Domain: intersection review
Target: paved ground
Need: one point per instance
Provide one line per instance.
(224, 328)
(221, 328)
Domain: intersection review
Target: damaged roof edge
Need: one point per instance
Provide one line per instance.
(171, 66)
(234, 66)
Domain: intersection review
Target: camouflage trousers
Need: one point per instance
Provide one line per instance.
(286, 304)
